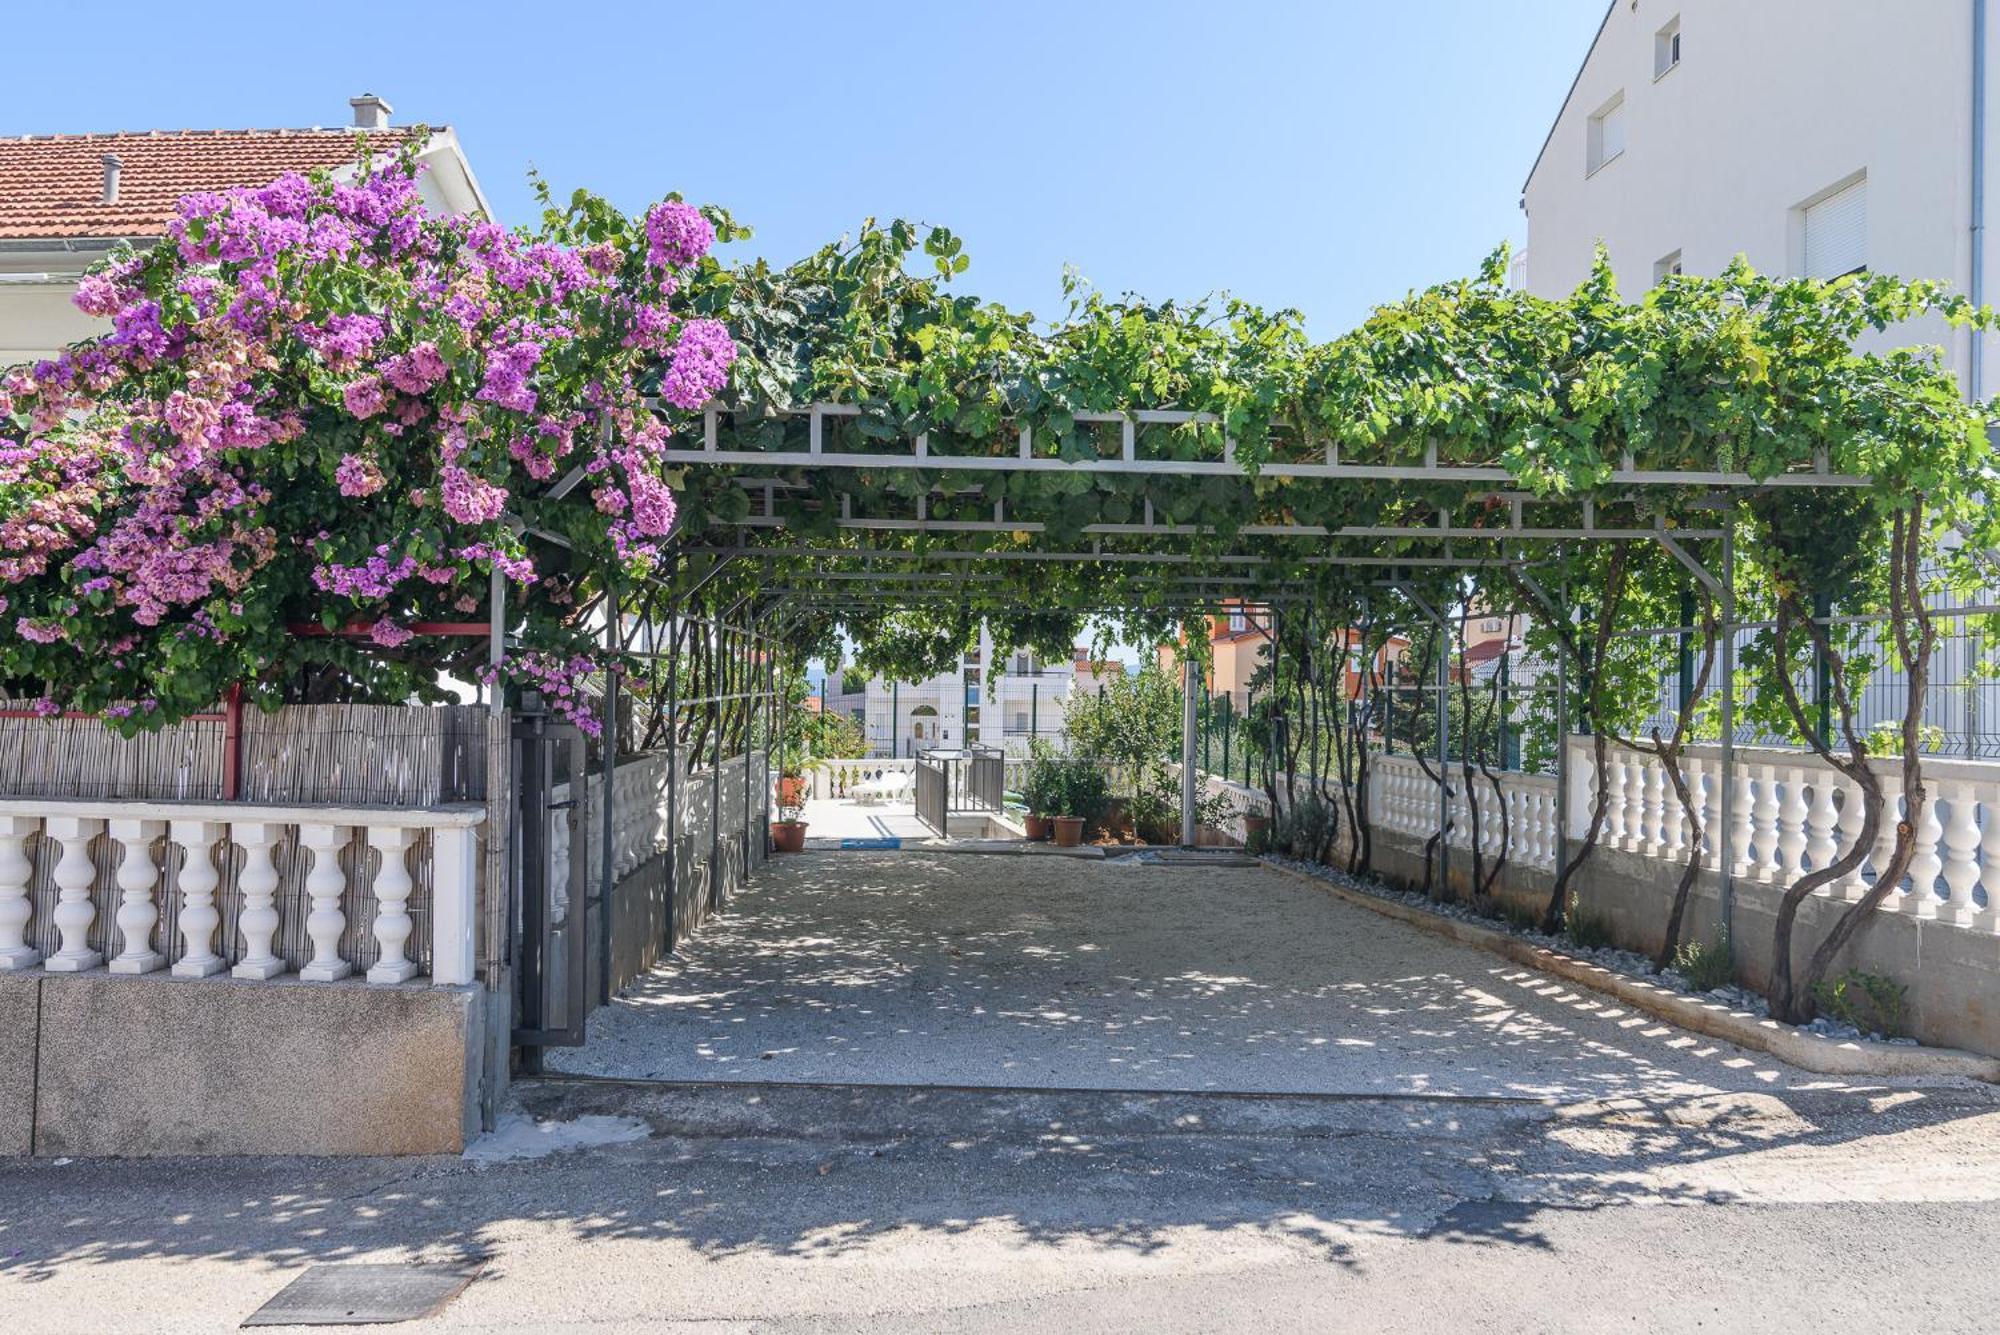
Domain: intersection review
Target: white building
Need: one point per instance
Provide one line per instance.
(67, 199)
(1814, 137)
(980, 704)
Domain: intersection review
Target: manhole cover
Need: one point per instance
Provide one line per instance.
(363, 1295)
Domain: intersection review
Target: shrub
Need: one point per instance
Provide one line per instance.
(1583, 929)
(1083, 790)
(1873, 1003)
(322, 406)
(1042, 785)
(1308, 828)
(1704, 966)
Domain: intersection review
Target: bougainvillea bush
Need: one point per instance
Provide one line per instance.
(324, 417)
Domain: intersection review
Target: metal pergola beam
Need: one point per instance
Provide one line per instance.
(1025, 459)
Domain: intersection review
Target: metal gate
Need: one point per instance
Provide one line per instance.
(549, 918)
(972, 779)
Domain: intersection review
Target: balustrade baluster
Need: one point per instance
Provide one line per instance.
(198, 880)
(15, 907)
(1764, 866)
(1853, 807)
(137, 913)
(1649, 838)
(258, 919)
(325, 884)
(1698, 799)
(1885, 847)
(1673, 814)
(1792, 812)
(1742, 823)
(74, 874)
(1988, 918)
(1925, 863)
(1821, 846)
(1616, 781)
(392, 898)
(1961, 860)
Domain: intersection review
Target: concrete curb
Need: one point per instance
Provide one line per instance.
(1788, 1043)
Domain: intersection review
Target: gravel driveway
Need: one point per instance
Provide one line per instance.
(1043, 972)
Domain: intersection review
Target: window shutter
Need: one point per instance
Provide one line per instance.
(1837, 233)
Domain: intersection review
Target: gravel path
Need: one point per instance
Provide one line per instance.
(937, 968)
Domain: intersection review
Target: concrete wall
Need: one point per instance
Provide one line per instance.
(1772, 105)
(140, 1066)
(1952, 973)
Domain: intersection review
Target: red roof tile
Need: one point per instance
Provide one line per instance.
(52, 185)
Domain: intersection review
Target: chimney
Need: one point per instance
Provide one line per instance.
(370, 112)
(111, 169)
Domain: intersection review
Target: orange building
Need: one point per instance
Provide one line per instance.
(1239, 642)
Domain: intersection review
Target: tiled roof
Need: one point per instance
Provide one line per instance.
(52, 185)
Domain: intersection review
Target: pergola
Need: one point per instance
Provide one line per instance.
(954, 538)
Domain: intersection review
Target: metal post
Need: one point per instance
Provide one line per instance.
(715, 767)
(671, 936)
(1685, 663)
(1190, 687)
(1034, 710)
(1822, 673)
(500, 882)
(606, 794)
(750, 706)
(1443, 758)
(895, 715)
(1724, 854)
(1562, 748)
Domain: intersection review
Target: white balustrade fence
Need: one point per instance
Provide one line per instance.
(840, 778)
(197, 889)
(1521, 815)
(1790, 814)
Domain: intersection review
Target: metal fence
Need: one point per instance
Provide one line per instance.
(1961, 713)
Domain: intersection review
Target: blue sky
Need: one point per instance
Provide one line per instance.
(1324, 154)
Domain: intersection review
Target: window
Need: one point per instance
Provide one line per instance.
(1836, 232)
(1667, 47)
(1239, 621)
(1607, 132)
(1490, 626)
(1665, 267)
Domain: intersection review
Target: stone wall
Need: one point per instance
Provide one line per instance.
(96, 1064)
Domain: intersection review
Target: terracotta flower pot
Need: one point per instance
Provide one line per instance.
(1069, 831)
(788, 836)
(792, 790)
(1038, 826)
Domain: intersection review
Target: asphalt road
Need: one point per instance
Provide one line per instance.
(787, 1208)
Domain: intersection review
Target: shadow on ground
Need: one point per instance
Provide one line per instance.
(922, 967)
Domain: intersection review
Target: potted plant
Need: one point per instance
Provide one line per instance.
(1042, 788)
(1256, 830)
(788, 832)
(1083, 795)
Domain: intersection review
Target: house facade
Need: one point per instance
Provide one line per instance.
(1239, 641)
(1813, 137)
(986, 701)
(67, 200)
